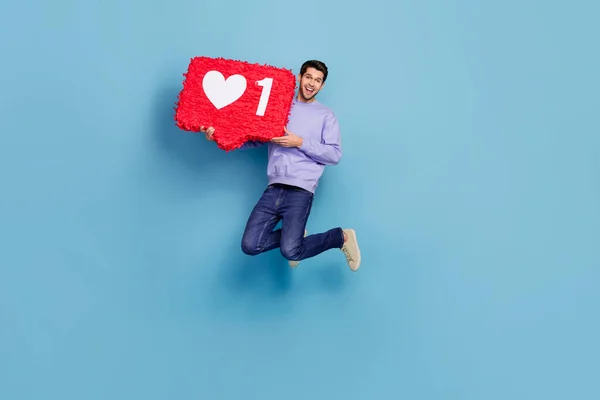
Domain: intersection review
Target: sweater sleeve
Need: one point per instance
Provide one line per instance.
(329, 150)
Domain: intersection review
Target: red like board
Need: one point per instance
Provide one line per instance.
(242, 101)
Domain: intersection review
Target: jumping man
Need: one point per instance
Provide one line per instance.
(296, 162)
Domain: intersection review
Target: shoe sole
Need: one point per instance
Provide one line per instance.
(352, 236)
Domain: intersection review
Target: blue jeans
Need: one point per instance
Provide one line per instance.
(290, 205)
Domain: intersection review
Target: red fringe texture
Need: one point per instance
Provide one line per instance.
(238, 122)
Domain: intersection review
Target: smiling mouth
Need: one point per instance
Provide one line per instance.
(309, 90)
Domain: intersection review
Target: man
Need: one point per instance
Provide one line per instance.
(296, 163)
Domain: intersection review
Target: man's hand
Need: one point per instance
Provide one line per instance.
(289, 140)
(208, 132)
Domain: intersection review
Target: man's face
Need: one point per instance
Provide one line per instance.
(310, 84)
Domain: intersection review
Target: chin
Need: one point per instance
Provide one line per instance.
(308, 96)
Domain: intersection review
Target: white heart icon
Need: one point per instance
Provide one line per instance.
(220, 91)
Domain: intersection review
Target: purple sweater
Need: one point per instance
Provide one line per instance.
(318, 126)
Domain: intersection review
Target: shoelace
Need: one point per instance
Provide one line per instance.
(347, 254)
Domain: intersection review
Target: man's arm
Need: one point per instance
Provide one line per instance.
(329, 151)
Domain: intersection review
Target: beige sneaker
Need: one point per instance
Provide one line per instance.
(294, 264)
(351, 250)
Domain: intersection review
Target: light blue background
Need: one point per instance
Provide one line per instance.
(470, 172)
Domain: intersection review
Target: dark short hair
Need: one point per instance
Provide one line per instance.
(318, 65)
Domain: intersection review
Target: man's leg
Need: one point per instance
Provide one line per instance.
(295, 209)
(294, 206)
(259, 236)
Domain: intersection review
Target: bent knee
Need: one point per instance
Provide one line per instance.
(292, 253)
(250, 247)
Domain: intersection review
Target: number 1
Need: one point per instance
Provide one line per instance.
(266, 83)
